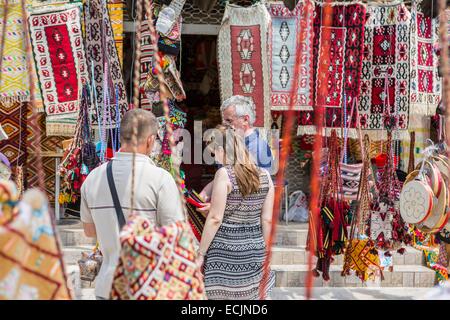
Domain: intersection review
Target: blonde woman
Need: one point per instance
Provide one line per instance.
(237, 228)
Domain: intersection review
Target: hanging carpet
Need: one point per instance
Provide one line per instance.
(425, 81)
(116, 9)
(14, 86)
(146, 62)
(283, 48)
(110, 97)
(343, 61)
(242, 57)
(13, 118)
(384, 99)
(30, 256)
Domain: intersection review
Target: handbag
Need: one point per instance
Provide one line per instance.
(91, 262)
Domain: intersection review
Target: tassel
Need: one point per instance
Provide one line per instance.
(401, 251)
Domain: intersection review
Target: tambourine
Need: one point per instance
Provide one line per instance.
(441, 163)
(434, 174)
(439, 215)
(416, 199)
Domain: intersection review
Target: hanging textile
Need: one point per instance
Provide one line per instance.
(104, 67)
(14, 86)
(425, 81)
(13, 118)
(344, 65)
(30, 256)
(49, 144)
(57, 41)
(384, 99)
(146, 62)
(283, 38)
(116, 9)
(242, 57)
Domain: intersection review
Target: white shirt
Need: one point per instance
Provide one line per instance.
(156, 196)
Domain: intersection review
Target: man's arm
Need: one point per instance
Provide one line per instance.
(86, 216)
(169, 207)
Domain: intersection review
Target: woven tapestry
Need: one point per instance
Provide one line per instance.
(283, 49)
(30, 257)
(49, 144)
(58, 49)
(425, 81)
(13, 119)
(384, 100)
(116, 9)
(146, 62)
(110, 94)
(14, 86)
(242, 57)
(344, 63)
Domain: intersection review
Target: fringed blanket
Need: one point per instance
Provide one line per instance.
(384, 100)
(104, 66)
(30, 257)
(58, 49)
(242, 57)
(425, 81)
(344, 61)
(283, 47)
(14, 86)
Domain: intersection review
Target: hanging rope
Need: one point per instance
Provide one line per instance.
(315, 172)
(137, 55)
(36, 128)
(285, 147)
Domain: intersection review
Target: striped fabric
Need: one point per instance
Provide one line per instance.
(234, 261)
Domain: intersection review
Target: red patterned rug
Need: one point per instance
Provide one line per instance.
(384, 101)
(242, 44)
(344, 61)
(283, 48)
(425, 82)
(60, 59)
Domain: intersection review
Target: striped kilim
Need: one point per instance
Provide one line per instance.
(48, 144)
(30, 258)
(14, 84)
(116, 9)
(13, 118)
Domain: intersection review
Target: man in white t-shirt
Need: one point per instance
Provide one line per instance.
(156, 194)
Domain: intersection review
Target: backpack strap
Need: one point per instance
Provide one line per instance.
(115, 197)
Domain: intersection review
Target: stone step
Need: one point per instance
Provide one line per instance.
(288, 255)
(71, 236)
(292, 234)
(402, 276)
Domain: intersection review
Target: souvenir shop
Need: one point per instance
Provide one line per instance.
(364, 78)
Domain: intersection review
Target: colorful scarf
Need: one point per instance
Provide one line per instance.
(344, 63)
(242, 52)
(116, 9)
(384, 100)
(425, 81)
(283, 37)
(30, 257)
(14, 85)
(57, 42)
(104, 67)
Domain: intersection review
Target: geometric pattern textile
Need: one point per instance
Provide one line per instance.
(30, 259)
(157, 263)
(116, 9)
(283, 48)
(60, 59)
(425, 80)
(13, 118)
(363, 259)
(110, 96)
(343, 61)
(146, 62)
(384, 99)
(14, 85)
(242, 57)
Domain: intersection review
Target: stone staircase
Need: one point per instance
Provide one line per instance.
(289, 261)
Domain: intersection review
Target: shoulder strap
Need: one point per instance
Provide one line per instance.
(115, 197)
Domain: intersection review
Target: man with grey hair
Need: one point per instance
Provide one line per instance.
(239, 112)
(155, 193)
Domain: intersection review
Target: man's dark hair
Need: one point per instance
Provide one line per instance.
(144, 120)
